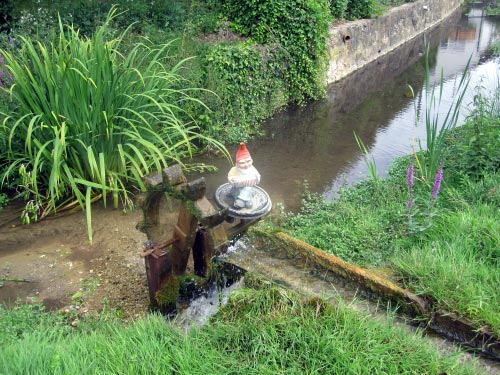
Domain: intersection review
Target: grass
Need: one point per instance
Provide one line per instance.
(457, 263)
(358, 227)
(262, 330)
(446, 246)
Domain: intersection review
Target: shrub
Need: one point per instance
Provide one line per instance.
(251, 90)
(357, 9)
(338, 8)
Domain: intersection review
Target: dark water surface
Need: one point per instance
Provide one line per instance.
(316, 142)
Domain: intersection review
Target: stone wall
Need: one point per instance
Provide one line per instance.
(352, 45)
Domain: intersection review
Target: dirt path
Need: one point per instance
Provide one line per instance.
(62, 269)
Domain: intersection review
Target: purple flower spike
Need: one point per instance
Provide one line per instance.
(437, 183)
(2, 60)
(11, 41)
(410, 204)
(410, 176)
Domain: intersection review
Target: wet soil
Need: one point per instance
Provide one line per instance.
(52, 261)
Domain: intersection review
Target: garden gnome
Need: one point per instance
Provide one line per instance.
(243, 177)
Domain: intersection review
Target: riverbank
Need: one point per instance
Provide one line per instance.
(436, 232)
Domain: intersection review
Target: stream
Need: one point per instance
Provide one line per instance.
(316, 143)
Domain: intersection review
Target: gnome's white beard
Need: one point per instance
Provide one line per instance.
(247, 171)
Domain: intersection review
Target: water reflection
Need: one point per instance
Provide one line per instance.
(316, 143)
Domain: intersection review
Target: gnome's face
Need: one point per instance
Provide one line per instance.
(244, 163)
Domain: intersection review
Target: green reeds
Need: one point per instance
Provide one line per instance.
(93, 121)
(369, 161)
(431, 156)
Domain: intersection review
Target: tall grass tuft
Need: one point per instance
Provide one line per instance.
(91, 120)
(431, 157)
(369, 161)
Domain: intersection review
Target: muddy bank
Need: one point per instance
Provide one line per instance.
(61, 268)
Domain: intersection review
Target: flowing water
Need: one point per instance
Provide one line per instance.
(316, 143)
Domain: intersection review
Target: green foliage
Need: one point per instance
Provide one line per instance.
(495, 48)
(300, 28)
(338, 8)
(353, 227)
(22, 319)
(287, 65)
(493, 8)
(457, 263)
(245, 78)
(431, 157)
(4, 200)
(92, 121)
(87, 15)
(456, 259)
(477, 142)
(263, 331)
(358, 9)
(6, 10)
(352, 9)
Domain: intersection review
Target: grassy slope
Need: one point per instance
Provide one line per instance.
(262, 331)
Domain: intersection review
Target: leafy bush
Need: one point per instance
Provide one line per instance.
(86, 15)
(251, 89)
(478, 141)
(6, 9)
(284, 61)
(92, 121)
(300, 27)
(338, 8)
(357, 9)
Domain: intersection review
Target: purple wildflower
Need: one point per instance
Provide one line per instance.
(410, 204)
(2, 60)
(437, 183)
(11, 41)
(410, 176)
(410, 186)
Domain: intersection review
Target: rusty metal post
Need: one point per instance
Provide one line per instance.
(158, 268)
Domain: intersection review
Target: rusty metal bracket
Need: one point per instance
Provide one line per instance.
(152, 249)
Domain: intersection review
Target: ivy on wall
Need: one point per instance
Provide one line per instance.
(247, 78)
(283, 61)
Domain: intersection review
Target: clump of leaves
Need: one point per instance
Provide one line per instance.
(92, 121)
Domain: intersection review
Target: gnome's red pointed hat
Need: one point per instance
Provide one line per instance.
(242, 152)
